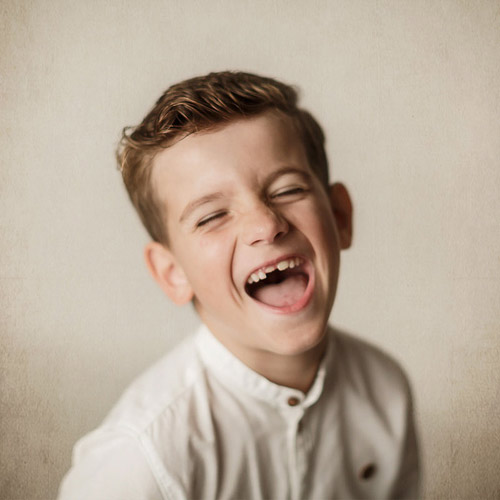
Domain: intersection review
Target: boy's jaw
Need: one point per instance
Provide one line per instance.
(283, 285)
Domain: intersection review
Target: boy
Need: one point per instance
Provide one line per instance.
(230, 178)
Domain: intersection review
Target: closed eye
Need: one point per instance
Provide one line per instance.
(288, 192)
(210, 218)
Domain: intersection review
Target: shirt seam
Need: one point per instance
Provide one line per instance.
(157, 469)
(153, 414)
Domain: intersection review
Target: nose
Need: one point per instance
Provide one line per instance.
(263, 225)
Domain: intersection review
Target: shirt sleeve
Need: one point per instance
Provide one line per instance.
(109, 466)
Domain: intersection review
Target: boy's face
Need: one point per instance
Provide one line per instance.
(241, 204)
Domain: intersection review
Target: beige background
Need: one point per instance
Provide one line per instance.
(409, 95)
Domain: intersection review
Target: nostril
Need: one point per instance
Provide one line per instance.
(279, 235)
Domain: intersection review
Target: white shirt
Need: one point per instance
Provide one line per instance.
(200, 424)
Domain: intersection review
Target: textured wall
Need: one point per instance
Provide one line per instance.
(409, 96)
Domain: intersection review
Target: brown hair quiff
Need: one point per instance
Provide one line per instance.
(200, 104)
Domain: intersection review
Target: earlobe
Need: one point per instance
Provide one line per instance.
(340, 202)
(168, 273)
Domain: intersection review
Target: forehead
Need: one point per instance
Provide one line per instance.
(244, 151)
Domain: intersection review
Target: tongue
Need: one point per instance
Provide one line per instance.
(286, 293)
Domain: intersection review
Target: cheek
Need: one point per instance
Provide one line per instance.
(209, 263)
(319, 227)
(319, 222)
(215, 248)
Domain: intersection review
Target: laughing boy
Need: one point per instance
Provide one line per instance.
(265, 401)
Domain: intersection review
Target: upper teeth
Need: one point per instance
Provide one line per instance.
(261, 274)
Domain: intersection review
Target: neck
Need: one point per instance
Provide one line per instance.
(296, 371)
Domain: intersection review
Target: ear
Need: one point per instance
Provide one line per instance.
(340, 202)
(168, 273)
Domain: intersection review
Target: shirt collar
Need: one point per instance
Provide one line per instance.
(234, 373)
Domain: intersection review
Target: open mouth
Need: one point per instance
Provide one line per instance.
(282, 285)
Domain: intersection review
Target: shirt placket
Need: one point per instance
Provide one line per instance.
(296, 446)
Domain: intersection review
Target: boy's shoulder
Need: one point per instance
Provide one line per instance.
(358, 358)
(160, 388)
(152, 405)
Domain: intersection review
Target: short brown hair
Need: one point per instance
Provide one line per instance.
(199, 104)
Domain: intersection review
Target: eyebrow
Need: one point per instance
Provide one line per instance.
(198, 202)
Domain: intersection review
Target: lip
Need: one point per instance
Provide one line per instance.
(308, 293)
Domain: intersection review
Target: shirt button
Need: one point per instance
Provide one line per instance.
(293, 401)
(368, 471)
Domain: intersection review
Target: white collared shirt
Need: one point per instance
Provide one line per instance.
(200, 424)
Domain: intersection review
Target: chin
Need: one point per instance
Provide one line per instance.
(294, 341)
